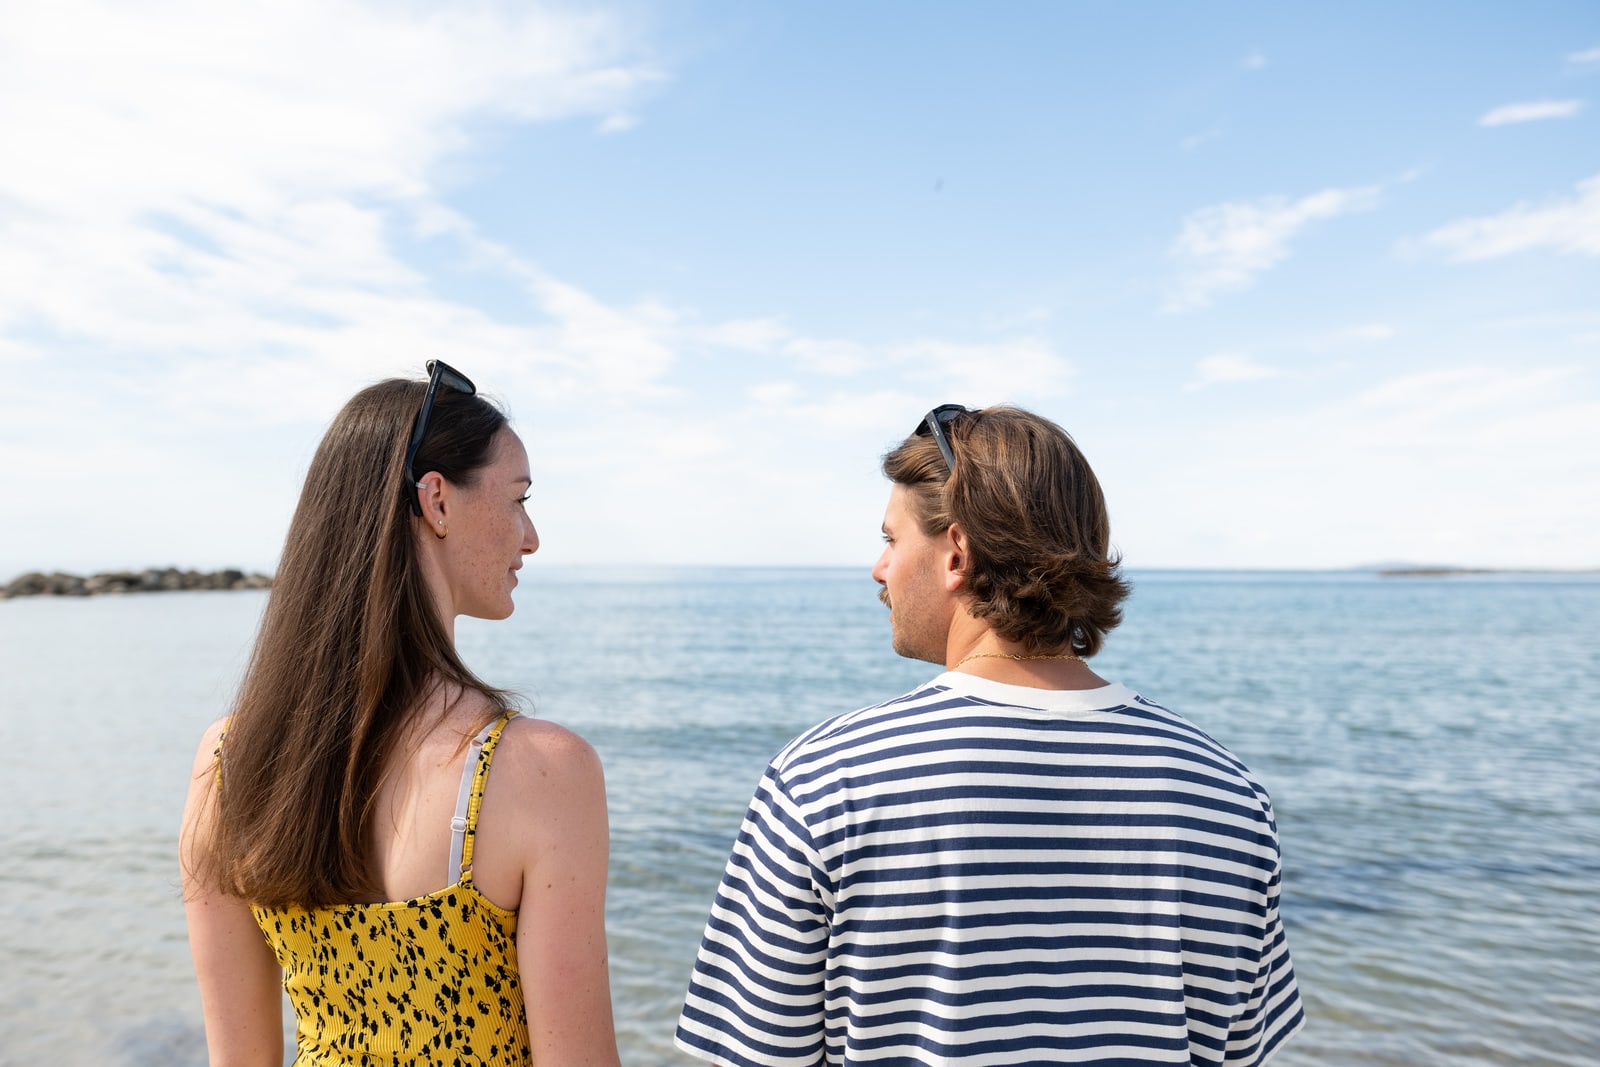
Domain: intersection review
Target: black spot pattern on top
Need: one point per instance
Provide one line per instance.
(431, 981)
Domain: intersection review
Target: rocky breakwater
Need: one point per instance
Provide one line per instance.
(154, 580)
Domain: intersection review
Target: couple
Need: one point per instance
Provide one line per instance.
(1017, 863)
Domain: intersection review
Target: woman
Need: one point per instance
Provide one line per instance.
(343, 837)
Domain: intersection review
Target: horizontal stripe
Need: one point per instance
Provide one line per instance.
(987, 734)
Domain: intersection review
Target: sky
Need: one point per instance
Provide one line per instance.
(1312, 287)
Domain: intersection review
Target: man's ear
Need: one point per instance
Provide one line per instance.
(955, 558)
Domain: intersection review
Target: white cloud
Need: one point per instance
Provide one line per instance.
(227, 182)
(971, 373)
(880, 412)
(834, 358)
(240, 104)
(622, 350)
(772, 394)
(1367, 333)
(1533, 111)
(1478, 411)
(1473, 465)
(1254, 61)
(1566, 225)
(981, 374)
(208, 216)
(1224, 247)
(1591, 55)
(1228, 370)
(749, 335)
(687, 443)
(1428, 396)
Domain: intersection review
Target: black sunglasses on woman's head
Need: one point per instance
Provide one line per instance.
(933, 426)
(438, 371)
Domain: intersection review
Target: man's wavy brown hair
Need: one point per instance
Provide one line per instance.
(1040, 568)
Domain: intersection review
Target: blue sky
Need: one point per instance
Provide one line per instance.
(1312, 288)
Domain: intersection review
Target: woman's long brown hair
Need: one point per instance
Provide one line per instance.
(350, 647)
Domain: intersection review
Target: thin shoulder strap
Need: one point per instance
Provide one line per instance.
(474, 773)
(216, 754)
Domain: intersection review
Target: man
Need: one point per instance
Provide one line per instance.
(1019, 862)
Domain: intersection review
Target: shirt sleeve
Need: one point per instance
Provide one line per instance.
(1275, 1013)
(756, 994)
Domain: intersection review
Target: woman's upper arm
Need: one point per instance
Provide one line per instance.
(240, 982)
(561, 921)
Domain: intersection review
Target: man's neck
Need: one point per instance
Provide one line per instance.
(974, 648)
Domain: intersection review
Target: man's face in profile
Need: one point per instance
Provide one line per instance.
(909, 572)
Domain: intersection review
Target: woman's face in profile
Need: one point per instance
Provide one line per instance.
(489, 532)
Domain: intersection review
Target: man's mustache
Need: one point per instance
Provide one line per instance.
(883, 597)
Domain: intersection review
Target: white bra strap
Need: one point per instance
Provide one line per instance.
(458, 825)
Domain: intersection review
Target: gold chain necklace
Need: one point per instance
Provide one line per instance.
(1008, 655)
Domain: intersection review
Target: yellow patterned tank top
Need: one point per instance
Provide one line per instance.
(426, 981)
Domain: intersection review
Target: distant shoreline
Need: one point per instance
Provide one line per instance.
(151, 580)
(1451, 572)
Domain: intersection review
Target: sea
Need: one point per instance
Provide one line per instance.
(1430, 744)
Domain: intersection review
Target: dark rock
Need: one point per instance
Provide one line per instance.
(55, 584)
(153, 580)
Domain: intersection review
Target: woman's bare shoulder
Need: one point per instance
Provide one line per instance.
(546, 796)
(540, 749)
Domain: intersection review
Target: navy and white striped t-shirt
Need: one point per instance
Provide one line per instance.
(978, 873)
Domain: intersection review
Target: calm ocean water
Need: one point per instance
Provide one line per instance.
(1430, 744)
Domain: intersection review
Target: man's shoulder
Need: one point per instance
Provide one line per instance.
(934, 705)
(842, 729)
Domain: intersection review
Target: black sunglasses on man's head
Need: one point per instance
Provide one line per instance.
(933, 426)
(438, 371)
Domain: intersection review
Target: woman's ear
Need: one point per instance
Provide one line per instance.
(432, 497)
